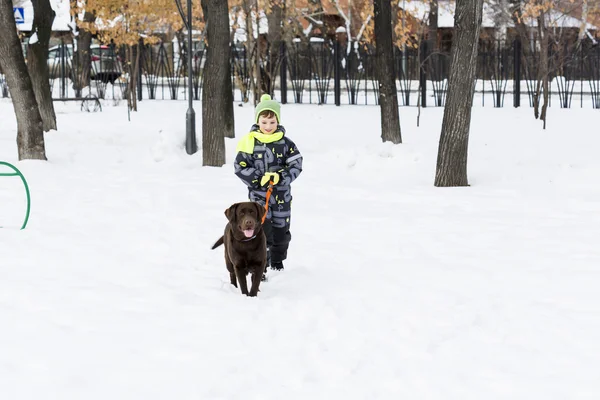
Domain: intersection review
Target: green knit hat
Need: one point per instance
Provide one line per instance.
(267, 104)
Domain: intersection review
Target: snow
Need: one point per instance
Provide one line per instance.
(557, 19)
(393, 288)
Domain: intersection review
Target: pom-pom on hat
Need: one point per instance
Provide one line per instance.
(267, 104)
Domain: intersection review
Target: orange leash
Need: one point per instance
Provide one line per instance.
(269, 191)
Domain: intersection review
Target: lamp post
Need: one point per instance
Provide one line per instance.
(190, 117)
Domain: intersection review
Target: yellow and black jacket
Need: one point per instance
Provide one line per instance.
(258, 153)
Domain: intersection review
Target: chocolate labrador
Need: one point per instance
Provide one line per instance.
(245, 245)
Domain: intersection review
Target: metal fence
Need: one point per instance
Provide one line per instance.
(326, 72)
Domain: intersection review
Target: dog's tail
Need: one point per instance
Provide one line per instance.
(218, 243)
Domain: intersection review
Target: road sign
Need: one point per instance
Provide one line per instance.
(19, 15)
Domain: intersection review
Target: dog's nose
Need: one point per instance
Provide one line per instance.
(248, 223)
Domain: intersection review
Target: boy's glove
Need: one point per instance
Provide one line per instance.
(269, 176)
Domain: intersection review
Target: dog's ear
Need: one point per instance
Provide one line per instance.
(230, 213)
(260, 211)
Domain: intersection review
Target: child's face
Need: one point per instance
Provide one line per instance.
(267, 125)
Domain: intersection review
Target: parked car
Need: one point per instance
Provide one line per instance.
(105, 64)
(59, 61)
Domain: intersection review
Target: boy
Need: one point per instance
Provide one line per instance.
(266, 154)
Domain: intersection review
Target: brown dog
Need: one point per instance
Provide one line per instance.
(245, 245)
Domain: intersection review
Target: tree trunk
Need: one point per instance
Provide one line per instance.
(544, 64)
(134, 62)
(257, 70)
(84, 41)
(216, 72)
(228, 126)
(454, 140)
(30, 133)
(584, 19)
(527, 46)
(433, 24)
(274, 38)
(384, 67)
(275, 34)
(516, 13)
(536, 96)
(37, 61)
(250, 46)
(229, 121)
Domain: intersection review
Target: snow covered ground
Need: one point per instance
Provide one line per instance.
(393, 288)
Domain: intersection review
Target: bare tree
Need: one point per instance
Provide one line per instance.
(454, 140)
(502, 13)
(356, 11)
(316, 14)
(217, 72)
(133, 55)
(37, 60)
(388, 96)
(30, 133)
(544, 69)
(291, 20)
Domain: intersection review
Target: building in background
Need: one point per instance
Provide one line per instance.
(62, 20)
